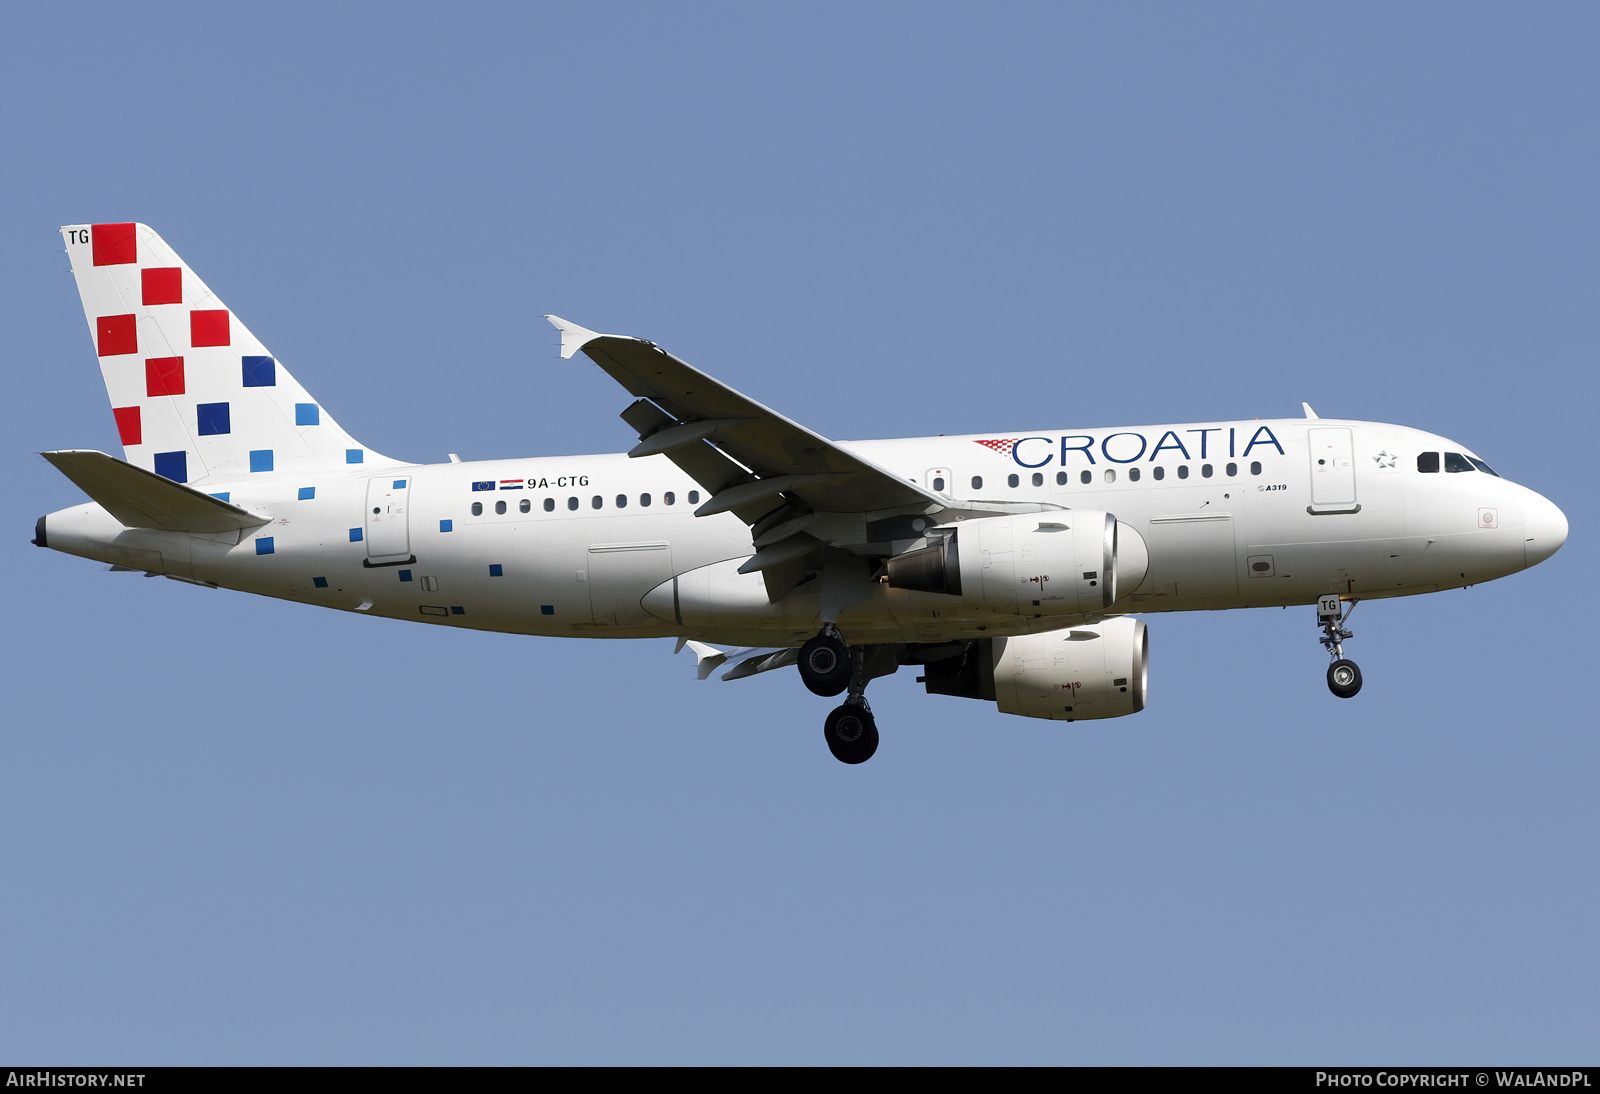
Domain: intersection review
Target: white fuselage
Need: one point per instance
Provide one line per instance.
(1243, 514)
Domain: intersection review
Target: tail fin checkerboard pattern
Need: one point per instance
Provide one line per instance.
(196, 397)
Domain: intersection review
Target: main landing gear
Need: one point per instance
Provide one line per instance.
(1344, 677)
(828, 666)
(825, 662)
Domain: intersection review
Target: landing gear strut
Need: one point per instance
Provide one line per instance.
(1344, 677)
(825, 662)
(851, 731)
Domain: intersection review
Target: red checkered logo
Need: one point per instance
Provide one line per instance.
(1003, 447)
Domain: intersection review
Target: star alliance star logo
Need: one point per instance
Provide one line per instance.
(1385, 458)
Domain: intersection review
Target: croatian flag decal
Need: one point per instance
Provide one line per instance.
(511, 484)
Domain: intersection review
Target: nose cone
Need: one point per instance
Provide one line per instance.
(1545, 529)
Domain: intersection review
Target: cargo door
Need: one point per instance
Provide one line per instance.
(619, 576)
(1192, 556)
(388, 528)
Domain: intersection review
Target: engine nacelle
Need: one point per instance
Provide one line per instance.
(1070, 562)
(1098, 671)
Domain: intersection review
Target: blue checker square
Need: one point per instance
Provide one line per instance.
(355, 535)
(173, 465)
(224, 496)
(307, 414)
(261, 459)
(457, 609)
(547, 609)
(320, 582)
(447, 525)
(211, 419)
(399, 484)
(495, 570)
(405, 575)
(354, 455)
(264, 545)
(307, 493)
(259, 371)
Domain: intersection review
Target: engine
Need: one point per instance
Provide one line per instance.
(1098, 671)
(1071, 562)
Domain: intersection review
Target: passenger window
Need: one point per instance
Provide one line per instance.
(977, 482)
(1485, 468)
(596, 502)
(1013, 482)
(644, 501)
(1428, 463)
(622, 501)
(1061, 478)
(1255, 467)
(1159, 472)
(1133, 474)
(1233, 469)
(1205, 470)
(549, 505)
(1038, 479)
(669, 498)
(525, 506)
(1086, 478)
(1455, 462)
(1111, 474)
(1183, 471)
(572, 503)
(694, 497)
(500, 507)
(938, 484)
(477, 508)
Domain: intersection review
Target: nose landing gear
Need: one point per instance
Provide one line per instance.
(1344, 676)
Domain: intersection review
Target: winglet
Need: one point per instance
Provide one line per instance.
(573, 337)
(707, 658)
(1312, 414)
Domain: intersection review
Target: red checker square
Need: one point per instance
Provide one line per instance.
(163, 285)
(208, 328)
(114, 334)
(163, 376)
(128, 427)
(113, 244)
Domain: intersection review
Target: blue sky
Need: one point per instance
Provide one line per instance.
(241, 831)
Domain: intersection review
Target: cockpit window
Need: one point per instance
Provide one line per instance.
(1455, 462)
(1485, 468)
(1428, 463)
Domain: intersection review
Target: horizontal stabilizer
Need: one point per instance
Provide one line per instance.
(143, 499)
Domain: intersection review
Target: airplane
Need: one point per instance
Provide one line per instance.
(1009, 568)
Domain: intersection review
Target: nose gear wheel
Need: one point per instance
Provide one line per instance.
(1344, 677)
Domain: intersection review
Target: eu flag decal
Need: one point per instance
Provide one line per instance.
(483, 485)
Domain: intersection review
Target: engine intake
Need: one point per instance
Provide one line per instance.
(1100, 671)
(1096, 671)
(1071, 562)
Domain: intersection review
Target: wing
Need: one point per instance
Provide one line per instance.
(752, 460)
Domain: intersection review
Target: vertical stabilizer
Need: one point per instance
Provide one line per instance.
(196, 397)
